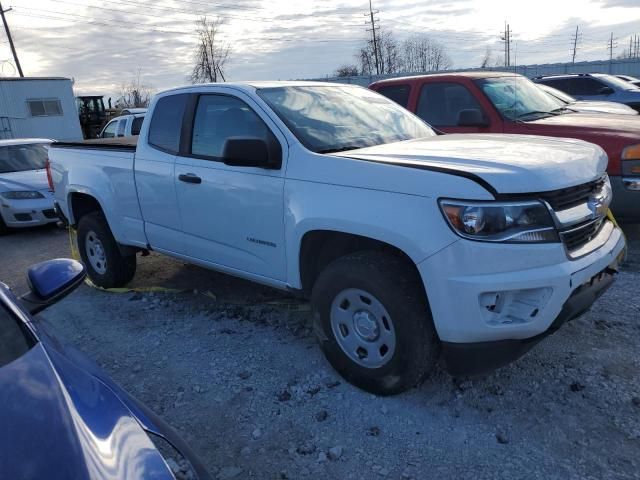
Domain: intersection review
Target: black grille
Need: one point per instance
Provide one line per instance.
(583, 234)
(50, 213)
(572, 196)
(23, 217)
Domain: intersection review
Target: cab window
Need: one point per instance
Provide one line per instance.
(110, 130)
(397, 93)
(220, 117)
(440, 104)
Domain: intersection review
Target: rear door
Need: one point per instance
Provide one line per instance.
(233, 217)
(154, 170)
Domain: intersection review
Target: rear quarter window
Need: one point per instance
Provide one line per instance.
(397, 93)
(166, 123)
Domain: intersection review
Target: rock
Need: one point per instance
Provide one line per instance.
(502, 438)
(198, 389)
(322, 415)
(284, 396)
(373, 431)
(306, 449)
(335, 453)
(256, 434)
(384, 410)
(245, 451)
(229, 472)
(576, 387)
(322, 457)
(636, 401)
(244, 375)
(137, 368)
(406, 474)
(383, 472)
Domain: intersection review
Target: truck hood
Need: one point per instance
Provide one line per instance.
(604, 107)
(508, 163)
(27, 180)
(58, 421)
(622, 126)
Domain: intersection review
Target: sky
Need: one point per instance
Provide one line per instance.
(102, 45)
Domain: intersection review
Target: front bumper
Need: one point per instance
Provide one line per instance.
(485, 292)
(27, 213)
(480, 357)
(626, 202)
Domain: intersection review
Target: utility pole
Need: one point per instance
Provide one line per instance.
(13, 49)
(611, 45)
(373, 35)
(506, 38)
(575, 45)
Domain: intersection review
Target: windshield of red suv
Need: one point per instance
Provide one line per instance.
(334, 118)
(518, 98)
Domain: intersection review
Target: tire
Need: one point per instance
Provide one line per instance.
(106, 266)
(406, 348)
(3, 227)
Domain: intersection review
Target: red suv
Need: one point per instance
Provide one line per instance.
(501, 102)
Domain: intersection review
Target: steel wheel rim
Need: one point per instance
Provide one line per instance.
(95, 252)
(363, 328)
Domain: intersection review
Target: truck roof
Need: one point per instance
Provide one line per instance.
(253, 85)
(475, 74)
(24, 141)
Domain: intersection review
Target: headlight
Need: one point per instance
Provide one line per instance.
(522, 222)
(21, 195)
(632, 152)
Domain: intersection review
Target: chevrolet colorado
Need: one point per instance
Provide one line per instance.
(409, 244)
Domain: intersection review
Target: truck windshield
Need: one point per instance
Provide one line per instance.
(19, 158)
(518, 98)
(335, 118)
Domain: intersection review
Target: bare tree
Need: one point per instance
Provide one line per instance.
(389, 59)
(421, 54)
(134, 94)
(211, 53)
(487, 59)
(347, 71)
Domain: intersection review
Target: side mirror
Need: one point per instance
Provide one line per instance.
(471, 117)
(51, 281)
(605, 91)
(251, 152)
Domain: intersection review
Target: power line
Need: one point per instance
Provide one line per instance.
(13, 48)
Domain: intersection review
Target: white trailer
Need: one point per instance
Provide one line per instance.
(38, 107)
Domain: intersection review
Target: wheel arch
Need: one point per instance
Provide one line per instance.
(320, 247)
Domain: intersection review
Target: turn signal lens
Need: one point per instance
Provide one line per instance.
(632, 152)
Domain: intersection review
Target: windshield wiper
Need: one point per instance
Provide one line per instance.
(537, 112)
(340, 149)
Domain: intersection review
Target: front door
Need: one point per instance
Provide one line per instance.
(232, 216)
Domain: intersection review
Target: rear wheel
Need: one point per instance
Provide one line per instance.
(106, 266)
(3, 226)
(373, 322)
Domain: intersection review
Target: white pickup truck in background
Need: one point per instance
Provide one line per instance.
(408, 243)
(124, 125)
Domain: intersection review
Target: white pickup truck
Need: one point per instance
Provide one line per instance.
(409, 244)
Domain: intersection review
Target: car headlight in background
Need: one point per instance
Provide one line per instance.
(21, 195)
(521, 222)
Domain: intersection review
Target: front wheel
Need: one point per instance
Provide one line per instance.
(373, 322)
(106, 266)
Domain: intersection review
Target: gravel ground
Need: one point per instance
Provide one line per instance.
(240, 377)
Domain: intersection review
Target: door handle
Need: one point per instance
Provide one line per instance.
(189, 178)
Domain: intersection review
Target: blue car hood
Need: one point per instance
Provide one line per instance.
(59, 422)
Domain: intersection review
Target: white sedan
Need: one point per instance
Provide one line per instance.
(25, 197)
